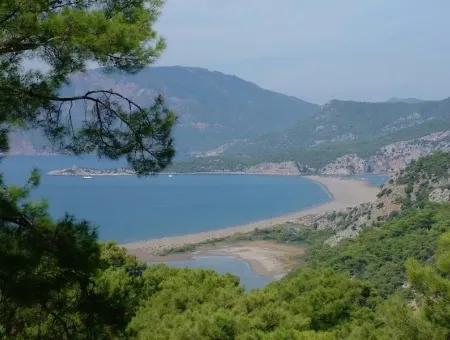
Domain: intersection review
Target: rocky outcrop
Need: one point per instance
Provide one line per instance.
(75, 171)
(439, 195)
(346, 165)
(389, 158)
(283, 168)
(409, 187)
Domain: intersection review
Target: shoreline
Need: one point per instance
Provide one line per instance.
(343, 193)
(125, 172)
(267, 258)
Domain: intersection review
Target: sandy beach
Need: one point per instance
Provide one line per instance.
(265, 258)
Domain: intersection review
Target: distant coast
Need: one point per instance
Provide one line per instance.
(83, 171)
(343, 193)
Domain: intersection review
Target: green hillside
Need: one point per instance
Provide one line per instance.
(213, 108)
(352, 123)
(339, 128)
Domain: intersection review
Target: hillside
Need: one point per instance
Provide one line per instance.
(214, 109)
(357, 131)
(353, 123)
(425, 180)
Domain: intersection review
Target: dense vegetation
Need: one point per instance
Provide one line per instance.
(393, 281)
(315, 141)
(379, 254)
(58, 282)
(432, 167)
(353, 124)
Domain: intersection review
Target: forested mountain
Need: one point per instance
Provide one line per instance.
(224, 116)
(213, 108)
(228, 123)
(341, 128)
(352, 123)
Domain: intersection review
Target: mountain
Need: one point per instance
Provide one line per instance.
(228, 123)
(404, 100)
(213, 108)
(345, 127)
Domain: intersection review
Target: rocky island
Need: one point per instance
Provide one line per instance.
(283, 168)
(75, 171)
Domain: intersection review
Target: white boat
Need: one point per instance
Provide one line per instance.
(88, 177)
(170, 176)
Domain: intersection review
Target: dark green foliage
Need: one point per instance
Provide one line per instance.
(287, 234)
(361, 298)
(66, 35)
(193, 304)
(378, 254)
(72, 287)
(429, 167)
(54, 281)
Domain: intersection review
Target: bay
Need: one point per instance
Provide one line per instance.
(128, 208)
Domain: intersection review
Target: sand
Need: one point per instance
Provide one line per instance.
(343, 193)
(265, 257)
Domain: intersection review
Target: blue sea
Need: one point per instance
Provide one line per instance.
(128, 208)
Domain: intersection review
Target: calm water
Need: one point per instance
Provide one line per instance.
(227, 264)
(129, 208)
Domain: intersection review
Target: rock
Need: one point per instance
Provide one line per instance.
(390, 158)
(269, 168)
(439, 195)
(346, 165)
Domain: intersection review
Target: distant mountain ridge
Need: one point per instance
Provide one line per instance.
(342, 127)
(226, 123)
(404, 100)
(213, 108)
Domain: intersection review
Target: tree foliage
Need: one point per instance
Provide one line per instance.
(65, 35)
(58, 282)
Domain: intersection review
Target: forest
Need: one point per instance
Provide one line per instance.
(58, 281)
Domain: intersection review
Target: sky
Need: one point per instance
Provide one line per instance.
(317, 50)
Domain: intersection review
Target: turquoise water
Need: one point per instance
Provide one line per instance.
(129, 208)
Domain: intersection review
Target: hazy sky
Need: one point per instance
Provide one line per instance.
(317, 49)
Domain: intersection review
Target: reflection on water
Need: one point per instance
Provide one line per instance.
(226, 264)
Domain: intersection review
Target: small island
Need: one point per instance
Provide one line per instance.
(276, 169)
(88, 172)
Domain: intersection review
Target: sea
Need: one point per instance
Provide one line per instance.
(129, 208)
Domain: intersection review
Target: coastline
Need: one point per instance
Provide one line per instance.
(343, 193)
